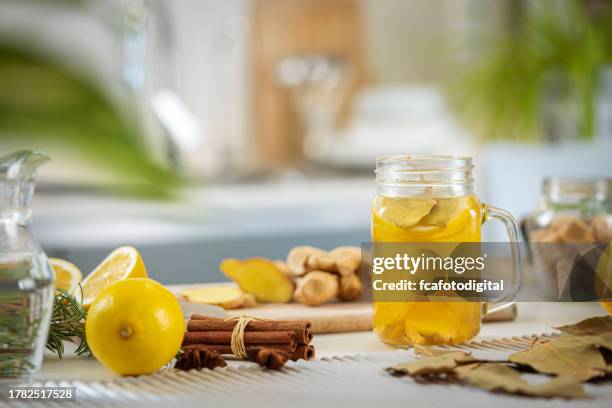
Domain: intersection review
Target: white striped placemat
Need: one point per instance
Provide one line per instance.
(357, 380)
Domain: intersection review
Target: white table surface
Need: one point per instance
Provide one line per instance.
(533, 318)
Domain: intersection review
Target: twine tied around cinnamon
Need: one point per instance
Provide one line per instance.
(237, 340)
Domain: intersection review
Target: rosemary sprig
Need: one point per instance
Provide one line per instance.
(67, 323)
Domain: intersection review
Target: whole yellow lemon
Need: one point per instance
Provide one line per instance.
(135, 326)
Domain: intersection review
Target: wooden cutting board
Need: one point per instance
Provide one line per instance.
(337, 317)
(332, 317)
(329, 318)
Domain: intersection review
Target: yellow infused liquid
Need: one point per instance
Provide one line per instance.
(436, 219)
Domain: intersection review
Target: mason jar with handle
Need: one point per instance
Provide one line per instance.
(424, 199)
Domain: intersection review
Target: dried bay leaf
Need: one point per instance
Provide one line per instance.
(438, 364)
(601, 341)
(499, 377)
(566, 355)
(463, 369)
(582, 353)
(589, 327)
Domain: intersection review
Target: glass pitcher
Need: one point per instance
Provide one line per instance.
(431, 199)
(26, 280)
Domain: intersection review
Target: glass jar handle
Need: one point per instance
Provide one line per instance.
(512, 229)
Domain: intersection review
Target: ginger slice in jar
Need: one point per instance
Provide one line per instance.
(449, 214)
(405, 212)
(442, 212)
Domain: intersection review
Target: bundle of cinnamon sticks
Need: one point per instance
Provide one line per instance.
(289, 337)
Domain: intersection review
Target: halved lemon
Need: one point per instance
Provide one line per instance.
(67, 275)
(121, 264)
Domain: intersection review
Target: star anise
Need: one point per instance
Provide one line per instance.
(198, 357)
(271, 358)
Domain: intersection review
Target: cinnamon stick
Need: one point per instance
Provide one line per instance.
(303, 352)
(225, 337)
(250, 348)
(203, 323)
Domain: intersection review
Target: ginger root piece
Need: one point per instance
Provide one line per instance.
(559, 221)
(349, 288)
(303, 259)
(320, 260)
(602, 228)
(343, 260)
(544, 235)
(260, 277)
(316, 287)
(226, 296)
(572, 229)
(297, 259)
(319, 270)
(347, 260)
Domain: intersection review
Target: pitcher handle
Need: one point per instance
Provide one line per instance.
(512, 229)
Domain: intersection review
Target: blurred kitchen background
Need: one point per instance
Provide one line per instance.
(196, 130)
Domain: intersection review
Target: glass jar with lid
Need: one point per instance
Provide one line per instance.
(574, 217)
(573, 210)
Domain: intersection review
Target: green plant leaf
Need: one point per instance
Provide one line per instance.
(44, 102)
(558, 47)
(67, 323)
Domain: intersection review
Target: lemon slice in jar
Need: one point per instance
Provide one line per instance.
(121, 264)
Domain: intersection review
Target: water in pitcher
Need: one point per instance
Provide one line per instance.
(25, 308)
(26, 280)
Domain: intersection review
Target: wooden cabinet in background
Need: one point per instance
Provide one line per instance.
(281, 28)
